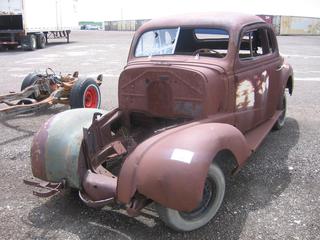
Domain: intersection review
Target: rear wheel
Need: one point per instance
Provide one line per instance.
(213, 194)
(41, 41)
(30, 42)
(28, 81)
(85, 93)
(281, 120)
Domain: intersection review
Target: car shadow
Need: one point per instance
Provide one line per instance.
(261, 181)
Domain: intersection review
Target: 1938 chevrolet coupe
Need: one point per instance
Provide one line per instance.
(194, 86)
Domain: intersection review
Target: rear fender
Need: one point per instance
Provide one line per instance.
(171, 168)
(56, 147)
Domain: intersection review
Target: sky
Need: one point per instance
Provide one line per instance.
(101, 10)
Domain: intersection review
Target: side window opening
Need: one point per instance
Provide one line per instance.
(207, 42)
(254, 43)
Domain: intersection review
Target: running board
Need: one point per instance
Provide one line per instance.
(255, 137)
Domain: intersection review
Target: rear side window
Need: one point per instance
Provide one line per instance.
(255, 43)
(211, 34)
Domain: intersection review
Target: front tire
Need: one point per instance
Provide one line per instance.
(282, 118)
(213, 194)
(85, 93)
(41, 41)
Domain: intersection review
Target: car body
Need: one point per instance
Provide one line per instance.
(194, 86)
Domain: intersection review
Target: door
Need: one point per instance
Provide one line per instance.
(257, 83)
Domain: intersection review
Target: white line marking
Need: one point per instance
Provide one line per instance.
(110, 229)
(76, 54)
(295, 71)
(314, 79)
(301, 56)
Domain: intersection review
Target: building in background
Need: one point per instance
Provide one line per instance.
(282, 25)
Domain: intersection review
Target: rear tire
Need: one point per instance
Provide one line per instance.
(85, 93)
(29, 43)
(282, 118)
(41, 41)
(212, 199)
(28, 81)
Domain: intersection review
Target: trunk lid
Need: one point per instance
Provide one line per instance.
(163, 90)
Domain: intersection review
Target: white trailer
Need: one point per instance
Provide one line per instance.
(30, 23)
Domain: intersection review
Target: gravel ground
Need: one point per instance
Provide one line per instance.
(275, 196)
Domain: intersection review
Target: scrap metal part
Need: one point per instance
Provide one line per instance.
(49, 89)
(51, 188)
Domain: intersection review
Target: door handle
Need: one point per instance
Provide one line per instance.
(280, 67)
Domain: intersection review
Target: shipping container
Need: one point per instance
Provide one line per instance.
(124, 25)
(30, 23)
(299, 26)
(276, 22)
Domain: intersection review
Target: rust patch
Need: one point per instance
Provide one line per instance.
(38, 151)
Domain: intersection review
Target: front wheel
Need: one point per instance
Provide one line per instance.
(213, 194)
(85, 93)
(281, 120)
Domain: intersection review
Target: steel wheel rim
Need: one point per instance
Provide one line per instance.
(91, 97)
(209, 195)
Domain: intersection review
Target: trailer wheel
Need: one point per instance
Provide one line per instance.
(85, 93)
(41, 41)
(29, 43)
(213, 194)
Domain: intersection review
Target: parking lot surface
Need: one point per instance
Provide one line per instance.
(275, 196)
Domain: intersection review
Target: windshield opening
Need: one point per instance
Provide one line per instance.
(209, 42)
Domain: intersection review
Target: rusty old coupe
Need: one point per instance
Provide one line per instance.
(194, 86)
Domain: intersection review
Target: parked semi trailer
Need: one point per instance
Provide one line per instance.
(30, 23)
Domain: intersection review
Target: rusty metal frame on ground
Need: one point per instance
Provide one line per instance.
(49, 89)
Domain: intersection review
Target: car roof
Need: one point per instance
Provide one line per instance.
(225, 20)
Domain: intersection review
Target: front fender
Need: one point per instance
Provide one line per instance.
(56, 146)
(287, 77)
(171, 168)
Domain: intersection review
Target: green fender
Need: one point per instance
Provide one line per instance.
(56, 146)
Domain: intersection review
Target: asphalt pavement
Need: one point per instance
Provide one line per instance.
(275, 196)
